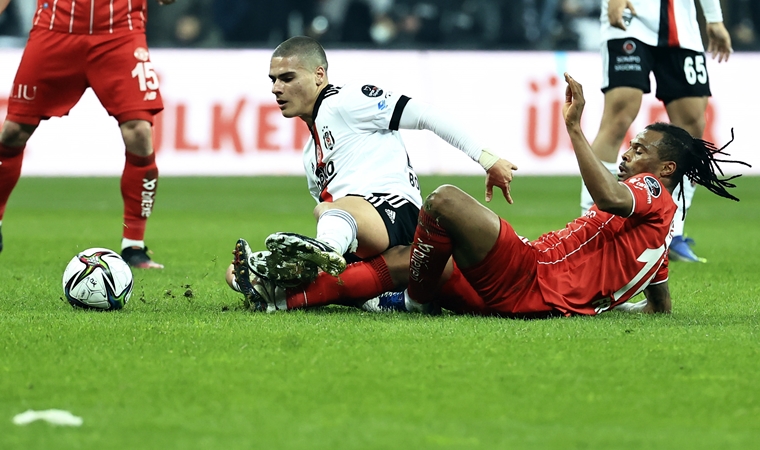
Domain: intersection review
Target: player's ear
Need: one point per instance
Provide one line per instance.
(667, 168)
(320, 75)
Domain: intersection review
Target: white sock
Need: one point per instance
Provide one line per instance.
(688, 192)
(131, 243)
(586, 200)
(337, 228)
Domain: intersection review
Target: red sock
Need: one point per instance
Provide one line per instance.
(10, 171)
(359, 282)
(431, 250)
(138, 189)
(457, 295)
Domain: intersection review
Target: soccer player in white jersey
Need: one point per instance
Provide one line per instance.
(663, 37)
(356, 164)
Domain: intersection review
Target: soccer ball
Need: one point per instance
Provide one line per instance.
(97, 278)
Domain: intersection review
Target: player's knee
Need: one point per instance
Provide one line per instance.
(694, 125)
(320, 209)
(442, 200)
(15, 134)
(137, 136)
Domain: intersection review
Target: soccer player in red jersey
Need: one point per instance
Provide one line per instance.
(596, 263)
(73, 45)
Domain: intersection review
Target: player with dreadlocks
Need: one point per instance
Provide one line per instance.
(695, 158)
(596, 263)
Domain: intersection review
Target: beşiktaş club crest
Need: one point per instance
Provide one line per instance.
(629, 47)
(327, 138)
(371, 91)
(654, 186)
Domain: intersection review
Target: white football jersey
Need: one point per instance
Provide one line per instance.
(356, 147)
(660, 23)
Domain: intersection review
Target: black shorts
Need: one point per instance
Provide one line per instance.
(679, 72)
(399, 215)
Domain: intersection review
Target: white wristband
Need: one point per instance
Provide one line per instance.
(487, 159)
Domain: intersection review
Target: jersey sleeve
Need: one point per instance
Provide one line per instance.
(648, 195)
(369, 107)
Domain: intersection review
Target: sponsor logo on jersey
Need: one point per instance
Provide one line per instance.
(371, 91)
(654, 186)
(629, 46)
(391, 214)
(141, 54)
(22, 91)
(382, 105)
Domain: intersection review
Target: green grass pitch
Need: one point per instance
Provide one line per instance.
(184, 366)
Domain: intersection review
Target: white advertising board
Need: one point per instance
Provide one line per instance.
(220, 116)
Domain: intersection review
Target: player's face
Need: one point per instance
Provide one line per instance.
(642, 156)
(295, 86)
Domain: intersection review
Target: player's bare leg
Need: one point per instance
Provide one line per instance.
(621, 106)
(13, 138)
(347, 225)
(138, 188)
(689, 114)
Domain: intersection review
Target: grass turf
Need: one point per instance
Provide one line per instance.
(184, 366)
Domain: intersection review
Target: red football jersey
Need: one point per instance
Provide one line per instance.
(601, 260)
(91, 16)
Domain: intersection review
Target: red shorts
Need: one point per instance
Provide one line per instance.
(56, 68)
(507, 279)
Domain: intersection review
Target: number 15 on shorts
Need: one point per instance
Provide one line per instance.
(146, 78)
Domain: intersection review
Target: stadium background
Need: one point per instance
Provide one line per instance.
(495, 65)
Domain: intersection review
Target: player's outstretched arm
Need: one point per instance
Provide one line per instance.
(607, 193)
(419, 116)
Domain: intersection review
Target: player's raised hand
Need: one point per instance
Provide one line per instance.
(718, 41)
(615, 9)
(574, 102)
(500, 175)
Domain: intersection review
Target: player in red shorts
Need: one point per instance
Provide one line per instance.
(74, 45)
(596, 263)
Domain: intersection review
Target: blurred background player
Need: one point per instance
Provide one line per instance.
(78, 44)
(663, 37)
(356, 165)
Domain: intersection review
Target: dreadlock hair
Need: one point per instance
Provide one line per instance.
(695, 158)
(306, 48)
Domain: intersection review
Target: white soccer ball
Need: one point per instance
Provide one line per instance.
(97, 278)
